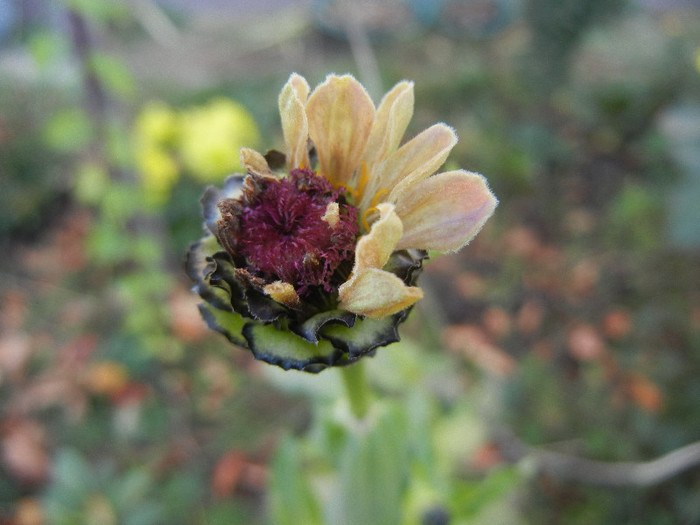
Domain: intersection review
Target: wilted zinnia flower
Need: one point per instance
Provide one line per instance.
(312, 256)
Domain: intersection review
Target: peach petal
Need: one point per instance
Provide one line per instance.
(374, 249)
(390, 123)
(444, 212)
(340, 115)
(295, 127)
(376, 294)
(417, 159)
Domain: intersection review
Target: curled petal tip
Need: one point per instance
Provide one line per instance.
(376, 293)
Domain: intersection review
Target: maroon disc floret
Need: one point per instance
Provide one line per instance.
(282, 235)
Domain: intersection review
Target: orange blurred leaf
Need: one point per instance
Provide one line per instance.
(227, 473)
(529, 317)
(486, 457)
(473, 343)
(29, 512)
(617, 324)
(644, 392)
(497, 322)
(106, 378)
(185, 320)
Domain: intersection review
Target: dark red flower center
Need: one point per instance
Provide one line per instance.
(284, 231)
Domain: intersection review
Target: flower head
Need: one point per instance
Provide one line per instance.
(312, 255)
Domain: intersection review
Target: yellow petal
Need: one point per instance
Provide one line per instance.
(415, 160)
(340, 115)
(374, 248)
(390, 123)
(253, 162)
(444, 212)
(376, 294)
(295, 126)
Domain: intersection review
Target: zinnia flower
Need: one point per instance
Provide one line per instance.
(312, 256)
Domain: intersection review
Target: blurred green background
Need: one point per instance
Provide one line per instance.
(572, 321)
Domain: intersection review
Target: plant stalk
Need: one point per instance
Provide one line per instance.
(357, 388)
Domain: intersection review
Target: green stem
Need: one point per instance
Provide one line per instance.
(357, 388)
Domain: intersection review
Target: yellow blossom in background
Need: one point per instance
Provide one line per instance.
(159, 172)
(211, 137)
(204, 141)
(107, 377)
(697, 60)
(157, 123)
(155, 130)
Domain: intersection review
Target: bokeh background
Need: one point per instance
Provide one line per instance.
(571, 324)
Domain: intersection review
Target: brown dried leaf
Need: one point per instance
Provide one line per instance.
(497, 322)
(486, 457)
(585, 343)
(106, 378)
(523, 242)
(584, 277)
(227, 473)
(14, 310)
(617, 324)
(644, 392)
(470, 285)
(23, 453)
(15, 351)
(185, 321)
(473, 343)
(29, 512)
(529, 317)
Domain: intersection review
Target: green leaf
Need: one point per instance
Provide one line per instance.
(46, 46)
(106, 242)
(291, 500)
(99, 11)
(132, 487)
(91, 183)
(113, 74)
(121, 202)
(472, 498)
(68, 130)
(373, 472)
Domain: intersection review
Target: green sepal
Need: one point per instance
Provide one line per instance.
(366, 335)
(310, 328)
(229, 324)
(287, 350)
(199, 266)
(407, 265)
